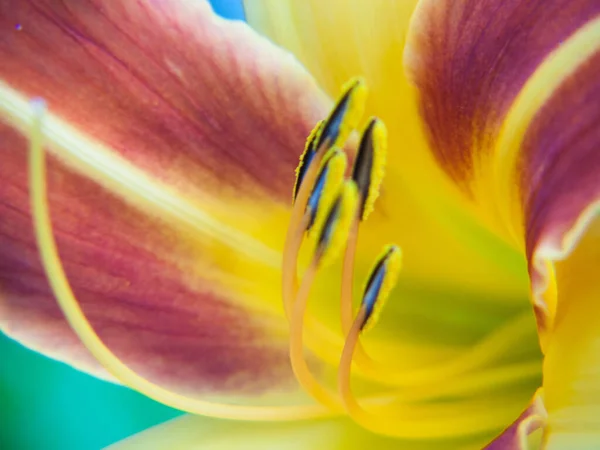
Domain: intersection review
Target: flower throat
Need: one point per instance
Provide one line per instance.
(329, 204)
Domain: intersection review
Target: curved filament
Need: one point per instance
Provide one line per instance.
(299, 364)
(293, 242)
(68, 303)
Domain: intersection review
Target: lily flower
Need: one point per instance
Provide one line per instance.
(154, 233)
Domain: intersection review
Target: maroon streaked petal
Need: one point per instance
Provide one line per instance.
(203, 106)
(531, 419)
(493, 50)
(142, 284)
(471, 62)
(470, 58)
(559, 184)
(191, 98)
(558, 175)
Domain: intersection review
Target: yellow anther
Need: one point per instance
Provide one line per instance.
(335, 229)
(327, 187)
(345, 116)
(369, 166)
(61, 288)
(307, 156)
(380, 283)
(333, 131)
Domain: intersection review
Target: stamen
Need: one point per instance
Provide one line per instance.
(333, 131)
(379, 285)
(330, 240)
(348, 277)
(326, 134)
(307, 157)
(327, 186)
(390, 261)
(63, 292)
(335, 229)
(369, 165)
(299, 365)
(368, 173)
(330, 234)
(345, 116)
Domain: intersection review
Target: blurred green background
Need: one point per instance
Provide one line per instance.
(46, 405)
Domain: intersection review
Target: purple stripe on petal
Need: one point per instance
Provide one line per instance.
(559, 170)
(560, 166)
(469, 60)
(202, 103)
(138, 283)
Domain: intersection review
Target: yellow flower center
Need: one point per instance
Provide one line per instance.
(438, 401)
(330, 202)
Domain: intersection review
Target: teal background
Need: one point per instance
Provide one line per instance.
(47, 405)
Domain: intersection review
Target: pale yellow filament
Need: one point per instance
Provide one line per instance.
(348, 277)
(301, 370)
(293, 242)
(76, 318)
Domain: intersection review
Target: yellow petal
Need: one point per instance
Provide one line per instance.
(341, 39)
(189, 432)
(572, 364)
(479, 280)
